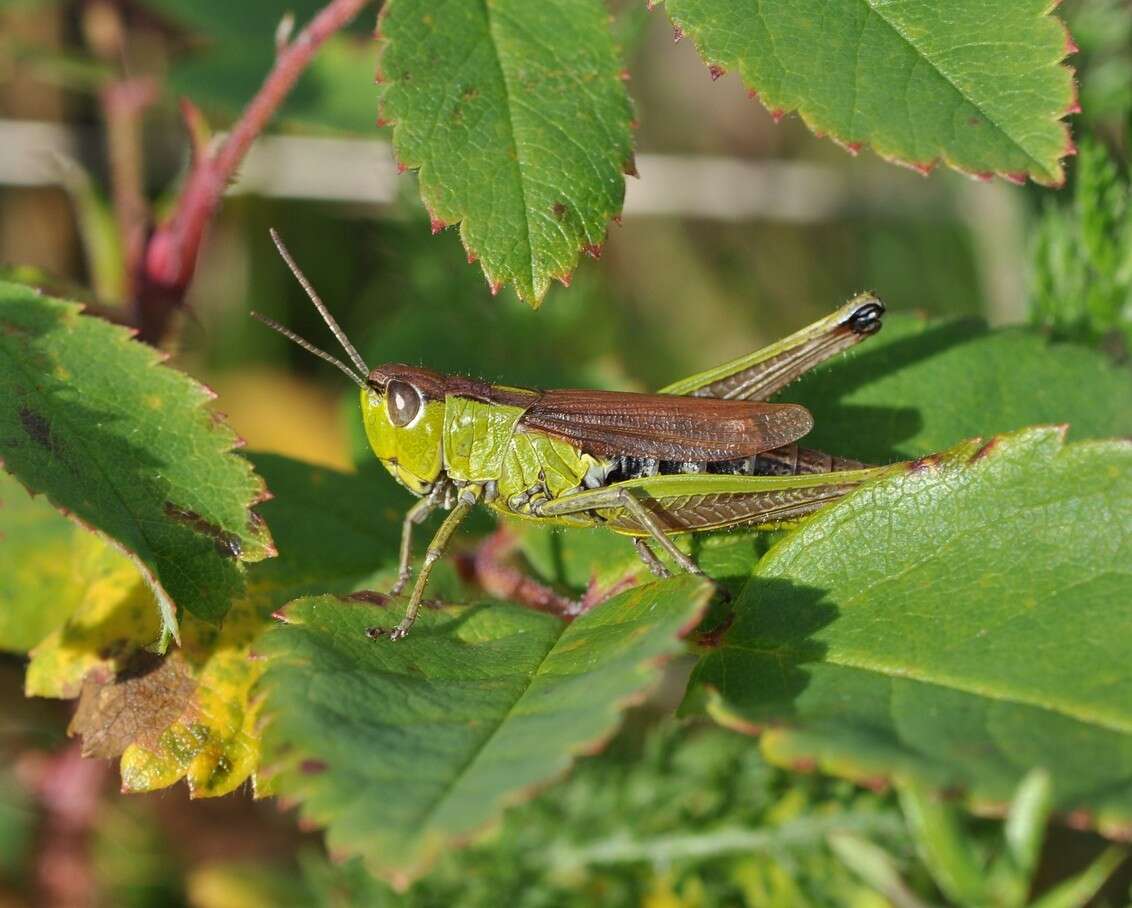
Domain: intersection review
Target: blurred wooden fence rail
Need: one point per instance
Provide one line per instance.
(361, 172)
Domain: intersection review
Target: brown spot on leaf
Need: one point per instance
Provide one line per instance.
(921, 464)
(313, 767)
(227, 543)
(714, 637)
(560, 210)
(804, 764)
(716, 71)
(1079, 819)
(370, 597)
(145, 697)
(38, 430)
(985, 450)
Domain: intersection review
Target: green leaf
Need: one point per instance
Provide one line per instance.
(1081, 269)
(979, 85)
(1078, 891)
(934, 624)
(944, 846)
(920, 386)
(40, 577)
(516, 115)
(401, 747)
(88, 418)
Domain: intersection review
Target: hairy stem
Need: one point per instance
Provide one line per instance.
(171, 253)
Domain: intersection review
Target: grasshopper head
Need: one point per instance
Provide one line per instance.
(402, 407)
(403, 414)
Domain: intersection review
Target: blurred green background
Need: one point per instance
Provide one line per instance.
(738, 231)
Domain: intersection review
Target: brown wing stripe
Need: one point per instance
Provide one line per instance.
(716, 511)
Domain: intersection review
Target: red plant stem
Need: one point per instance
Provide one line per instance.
(503, 581)
(171, 253)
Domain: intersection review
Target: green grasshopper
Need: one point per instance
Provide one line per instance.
(705, 453)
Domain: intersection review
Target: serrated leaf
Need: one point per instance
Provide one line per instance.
(977, 84)
(40, 576)
(921, 385)
(516, 115)
(399, 748)
(334, 531)
(934, 625)
(88, 418)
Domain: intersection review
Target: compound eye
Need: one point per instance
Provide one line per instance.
(403, 402)
(867, 319)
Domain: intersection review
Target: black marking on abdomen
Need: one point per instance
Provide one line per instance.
(789, 460)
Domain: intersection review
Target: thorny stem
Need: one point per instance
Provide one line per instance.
(489, 567)
(171, 254)
(491, 571)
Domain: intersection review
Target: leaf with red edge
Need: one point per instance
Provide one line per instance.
(516, 115)
(977, 84)
(937, 625)
(125, 446)
(401, 748)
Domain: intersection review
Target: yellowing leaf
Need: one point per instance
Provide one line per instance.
(90, 418)
(41, 575)
(191, 716)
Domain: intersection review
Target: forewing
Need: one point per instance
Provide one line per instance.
(611, 423)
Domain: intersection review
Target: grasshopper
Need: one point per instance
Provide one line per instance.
(704, 453)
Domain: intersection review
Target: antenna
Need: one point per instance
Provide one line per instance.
(309, 347)
(355, 357)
